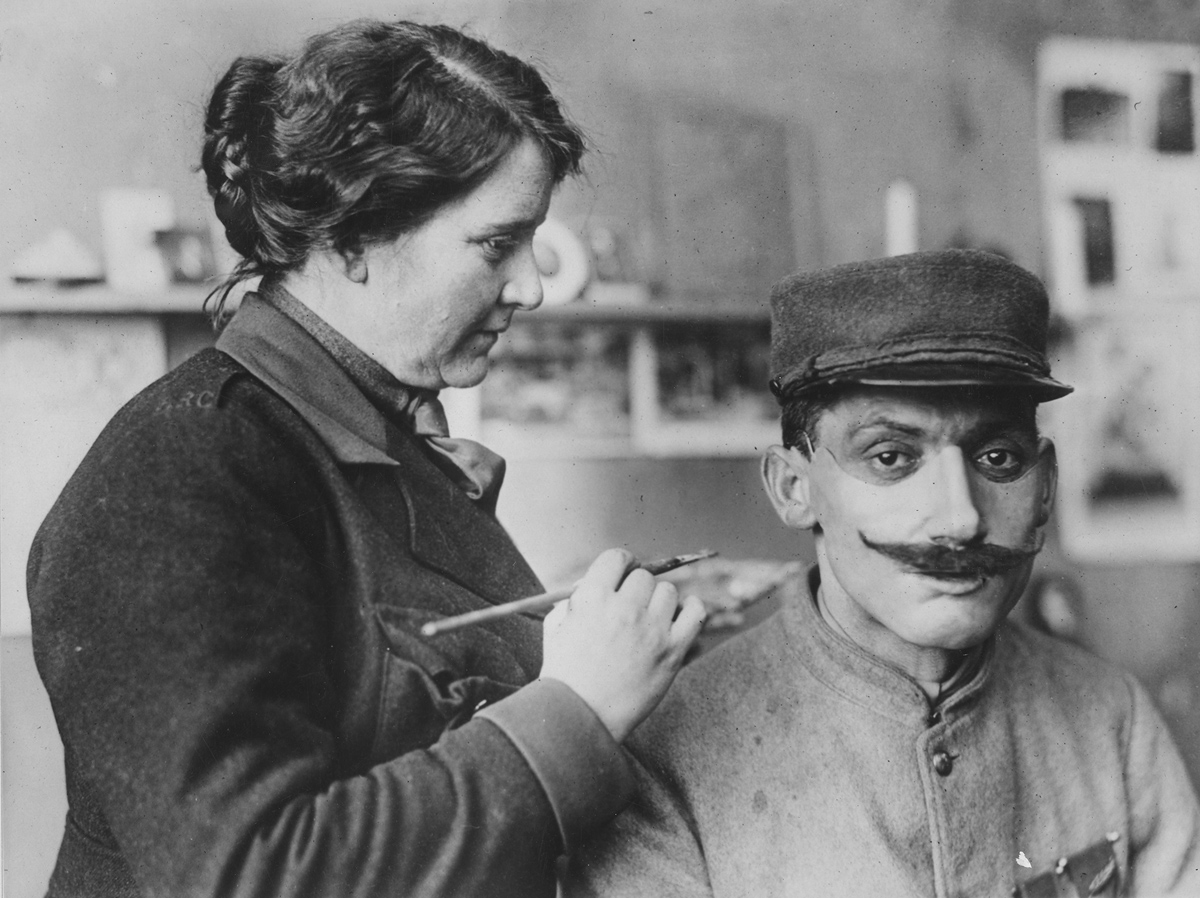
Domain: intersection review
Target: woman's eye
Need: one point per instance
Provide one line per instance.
(497, 249)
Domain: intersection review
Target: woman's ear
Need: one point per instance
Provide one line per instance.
(785, 476)
(1048, 459)
(354, 264)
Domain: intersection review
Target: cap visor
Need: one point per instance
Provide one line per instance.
(1043, 389)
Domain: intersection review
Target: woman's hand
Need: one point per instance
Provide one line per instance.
(618, 642)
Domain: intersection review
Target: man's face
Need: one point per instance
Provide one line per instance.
(911, 490)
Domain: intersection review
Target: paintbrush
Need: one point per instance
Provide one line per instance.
(546, 599)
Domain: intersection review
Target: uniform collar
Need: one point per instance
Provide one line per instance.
(848, 669)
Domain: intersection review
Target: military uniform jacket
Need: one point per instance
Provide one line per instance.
(791, 762)
(226, 605)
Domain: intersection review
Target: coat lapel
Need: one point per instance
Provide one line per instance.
(443, 528)
(448, 532)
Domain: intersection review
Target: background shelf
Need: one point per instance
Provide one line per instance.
(602, 303)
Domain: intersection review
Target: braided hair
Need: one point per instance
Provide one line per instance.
(364, 135)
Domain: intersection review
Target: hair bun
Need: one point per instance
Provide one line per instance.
(363, 135)
(239, 117)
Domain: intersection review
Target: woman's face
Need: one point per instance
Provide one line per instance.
(437, 299)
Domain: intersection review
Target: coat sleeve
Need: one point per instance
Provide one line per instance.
(182, 630)
(1165, 837)
(651, 848)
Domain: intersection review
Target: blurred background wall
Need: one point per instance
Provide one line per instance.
(937, 97)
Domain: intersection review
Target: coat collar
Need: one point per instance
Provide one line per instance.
(281, 354)
(856, 674)
(442, 527)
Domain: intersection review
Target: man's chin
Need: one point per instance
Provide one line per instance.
(955, 621)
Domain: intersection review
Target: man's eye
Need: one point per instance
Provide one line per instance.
(891, 461)
(1000, 462)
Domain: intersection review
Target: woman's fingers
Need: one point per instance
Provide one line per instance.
(620, 640)
(664, 602)
(638, 587)
(603, 576)
(689, 622)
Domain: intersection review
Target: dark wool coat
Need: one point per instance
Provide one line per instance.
(791, 762)
(226, 603)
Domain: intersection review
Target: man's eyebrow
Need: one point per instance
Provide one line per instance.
(1001, 426)
(888, 424)
(985, 429)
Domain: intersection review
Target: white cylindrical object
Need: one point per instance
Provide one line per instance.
(900, 219)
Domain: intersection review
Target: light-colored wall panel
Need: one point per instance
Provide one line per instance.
(61, 379)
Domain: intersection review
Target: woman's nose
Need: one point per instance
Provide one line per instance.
(523, 288)
(954, 512)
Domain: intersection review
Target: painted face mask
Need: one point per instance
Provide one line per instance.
(998, 477)
(928, 505)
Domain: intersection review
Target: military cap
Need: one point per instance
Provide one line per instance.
(924, 319)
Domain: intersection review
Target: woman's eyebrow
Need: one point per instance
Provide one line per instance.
(512, 226)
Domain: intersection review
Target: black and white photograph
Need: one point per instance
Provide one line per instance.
(599, 449)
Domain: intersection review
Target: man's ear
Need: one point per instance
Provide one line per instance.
(785, 476)
(1048, 460)
(354, 264)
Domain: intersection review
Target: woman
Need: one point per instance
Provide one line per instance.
(227, 596)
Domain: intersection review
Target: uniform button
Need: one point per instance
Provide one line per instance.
(943, 763)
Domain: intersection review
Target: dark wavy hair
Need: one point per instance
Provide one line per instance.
(799, 416)
(364, 135)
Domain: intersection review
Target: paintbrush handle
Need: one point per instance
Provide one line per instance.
(543, 600)
(483, 615)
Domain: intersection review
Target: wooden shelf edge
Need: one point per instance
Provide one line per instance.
(629, 307)
(99, 299)
(674, 311)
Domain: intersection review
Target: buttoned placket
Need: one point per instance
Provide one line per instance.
(961, 777)
(949, 735)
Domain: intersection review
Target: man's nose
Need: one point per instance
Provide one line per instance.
(954, 512)
(523, 287)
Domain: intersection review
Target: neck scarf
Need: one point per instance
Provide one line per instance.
(474, 468)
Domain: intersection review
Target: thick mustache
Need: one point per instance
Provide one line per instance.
(984, 559)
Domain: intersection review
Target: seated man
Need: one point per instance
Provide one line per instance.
(888, 732)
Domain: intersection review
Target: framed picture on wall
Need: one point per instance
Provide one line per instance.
(1118, 137)
(1129, 483)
